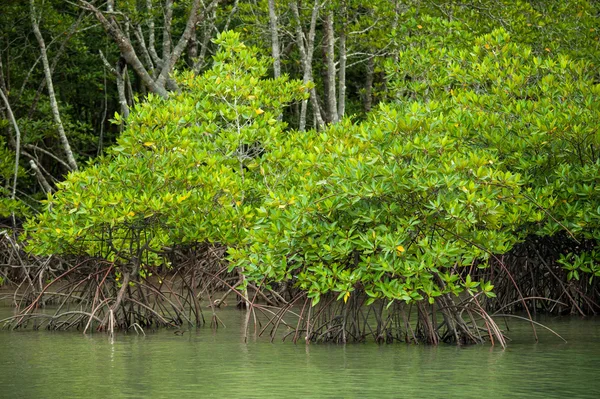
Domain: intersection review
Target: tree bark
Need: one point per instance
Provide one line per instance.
(127, 50)
(12, 119)
(53, 104)
(343, 59)
(159, 82)
(168, 20)
(330, 62)
(368, 100)
(119, 72)
(274, 40)
(40, 176)
(306, 46)
(193, 19)
(151, 33)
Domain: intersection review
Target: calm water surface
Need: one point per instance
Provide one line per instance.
(203, 364)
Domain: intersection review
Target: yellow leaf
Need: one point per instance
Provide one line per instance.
(131, 213)
(419, 26)
(149, 144)
(346, 296)
(182, 198)
(400, 249)
(487, 46)
(57, 230)
(281, 206)
(238, 203)
(259, 111)
(547, 49)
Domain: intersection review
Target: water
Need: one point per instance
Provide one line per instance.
(203, 364)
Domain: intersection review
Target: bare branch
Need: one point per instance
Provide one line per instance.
(127, 50)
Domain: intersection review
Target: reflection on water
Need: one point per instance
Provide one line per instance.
(41, 364)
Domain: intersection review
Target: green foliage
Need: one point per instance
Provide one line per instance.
(491, 137)
(9, 206)
(181, 171)
(536, 112)
(497, 144)
(392, 206)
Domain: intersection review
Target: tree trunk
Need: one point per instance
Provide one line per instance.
(368, 100)
(343, 59)
(127, 51)
(306, 46)
(274, 40)
(12, 119)
(159, 81)
(121, 70)
(330, 62)
(53, 104)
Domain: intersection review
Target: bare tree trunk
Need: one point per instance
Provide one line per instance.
(343, 59)
(12, 119)
(158, 82)
(2, 81)
(330, 62)
(368, 100)
(127, 50)
(151, 33)
(395, 27)
(53, 104)
(40, 176)
(274, 40)
(207, 34)
(119, 73)
(306, 46)
(168, 19)
(192, 50)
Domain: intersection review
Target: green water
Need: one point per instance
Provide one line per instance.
(200, 364)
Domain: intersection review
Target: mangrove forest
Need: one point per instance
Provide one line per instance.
(418, 171)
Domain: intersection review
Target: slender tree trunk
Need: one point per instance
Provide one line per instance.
(53, 104)
(343, 59)
(306, 46)
(12, 119)
(193, 19)
(207, 34)
(119, 72)
(330, 62)
(303, 56)
(192, 50)
(167, 21)
(127, 51)
(395, 27)
(274, 40)
(368, 100)
(158, 81)
(40, 176)
(151, 33)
